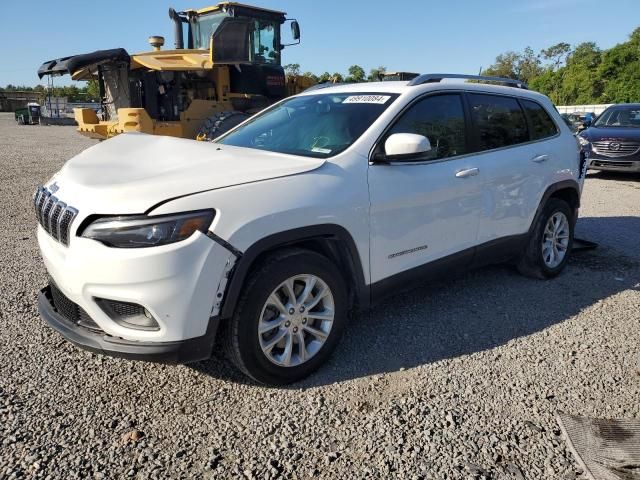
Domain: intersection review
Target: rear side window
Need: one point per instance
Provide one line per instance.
(440, 118)
(542, 126)
(499, 120)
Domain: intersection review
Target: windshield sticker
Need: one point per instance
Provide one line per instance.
(320, 150)
(377, 99)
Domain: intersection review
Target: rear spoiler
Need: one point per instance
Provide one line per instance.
(75, 64)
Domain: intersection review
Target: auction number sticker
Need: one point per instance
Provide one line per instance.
(377, 99)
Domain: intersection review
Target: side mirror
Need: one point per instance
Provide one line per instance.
(406, 146)
(295, 30)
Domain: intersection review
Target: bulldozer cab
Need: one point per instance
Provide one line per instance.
(235, 33)
(231, 63)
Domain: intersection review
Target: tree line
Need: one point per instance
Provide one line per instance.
(569, 75)
(356, 74)
(88, 92)
(583, 74)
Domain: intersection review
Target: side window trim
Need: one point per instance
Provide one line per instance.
(378, 144)
(476, 147)
(474, 133)
(527, 118)
(521, 101)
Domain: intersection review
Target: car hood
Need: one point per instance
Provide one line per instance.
(595, 134)
(131, 173)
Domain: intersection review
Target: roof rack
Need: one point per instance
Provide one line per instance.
(437, 77)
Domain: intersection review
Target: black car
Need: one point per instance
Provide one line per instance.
(614, 139)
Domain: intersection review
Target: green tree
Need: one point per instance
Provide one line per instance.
(93, 91)
(529, 65)
(375, 74)
(325, 77)
(337, 78)
(505, 65)
(356, 74)
(546, 83)
(556, 54)
(580, 81)
(292, 69)
(620, 71)
(523, 66)
(310, 75)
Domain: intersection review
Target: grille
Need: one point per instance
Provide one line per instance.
(612, 164)
(120, 309)
(127, 314)
(616, 149)
(70, 310)
(54, 215)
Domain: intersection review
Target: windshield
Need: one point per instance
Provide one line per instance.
(312, 125)
(619, 117)
(204, 26)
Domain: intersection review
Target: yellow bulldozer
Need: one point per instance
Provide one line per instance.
(231, 68)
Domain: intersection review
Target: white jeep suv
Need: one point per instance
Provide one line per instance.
(320, 205)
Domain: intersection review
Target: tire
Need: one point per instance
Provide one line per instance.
(219, 123)
(535, 261)
(244, 346)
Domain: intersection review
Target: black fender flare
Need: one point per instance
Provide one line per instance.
(551, 189)
(290, 237)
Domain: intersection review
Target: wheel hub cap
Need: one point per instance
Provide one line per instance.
(555, 240)
(296, 320)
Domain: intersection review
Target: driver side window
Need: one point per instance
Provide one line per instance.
(440, 118)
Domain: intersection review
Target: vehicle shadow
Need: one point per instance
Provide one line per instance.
(481, 310)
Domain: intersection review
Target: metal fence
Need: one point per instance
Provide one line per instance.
(597, 109)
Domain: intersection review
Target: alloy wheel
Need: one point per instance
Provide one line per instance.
(555, 240)
(296, 320)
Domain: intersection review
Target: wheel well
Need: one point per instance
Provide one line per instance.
(330, 247)
(330, 241)
(569, 195)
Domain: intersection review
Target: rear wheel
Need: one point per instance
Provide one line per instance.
(289, 319)
(550, 242)
(220, 123)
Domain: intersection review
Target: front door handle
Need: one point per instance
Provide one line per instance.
(467, 172)
(540, 158)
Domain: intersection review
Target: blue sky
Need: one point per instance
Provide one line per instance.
(412, 35)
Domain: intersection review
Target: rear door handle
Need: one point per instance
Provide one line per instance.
(540, 158)
(467, 172)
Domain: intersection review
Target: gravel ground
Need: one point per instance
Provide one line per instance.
(458, 379)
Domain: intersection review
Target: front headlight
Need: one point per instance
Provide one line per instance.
(143, 231)
(583, 141)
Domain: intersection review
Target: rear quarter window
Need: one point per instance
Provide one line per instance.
(542, 126)
(499, 120)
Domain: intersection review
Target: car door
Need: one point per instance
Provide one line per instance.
(514, 166)
(427, 208)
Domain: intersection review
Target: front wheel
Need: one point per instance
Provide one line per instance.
(289, 319)
(550, 242)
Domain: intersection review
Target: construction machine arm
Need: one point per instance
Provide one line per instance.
(82, 67)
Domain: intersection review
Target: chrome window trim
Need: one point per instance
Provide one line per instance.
(460, 91)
